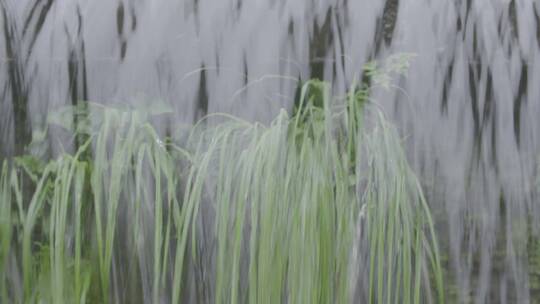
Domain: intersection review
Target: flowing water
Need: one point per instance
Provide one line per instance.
(468, 108)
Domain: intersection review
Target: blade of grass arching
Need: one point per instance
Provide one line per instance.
(227, 282)
(381, 217)
(262, 286)
(34, 208)
(241, 194)
(5, 228)
(420, 216)
(68, 167)
(16, 187)
(261, 163)
(282, 197)
(18, 221)
(317, 289)
(96, 181)
(184, 217)
(70, 177)
(310, 213)
(381, 235)
(373, 242)
(356, 213)
(161, 166)
(158, 216)
(406, 255)
(257, 162)
(168, 169)
(301, 106)
(123, 150)
(59, 201)
(140, 191)
(399, 281)
(142, 194)
(346, 205)
(412, 215)
(120, 156)
(433, 243)
(78, 199)
(85, 287)
(253, 251)
(295, 281)
(325, 227)
(418, 265)
(400, 204)
(223, 209)
(260, 282)
(347, 213)
(194, 203)
(393, 176)
(306, 252)
(398, 218)
(181, 216)
(393, 218)
(328, 216)
(385, 182)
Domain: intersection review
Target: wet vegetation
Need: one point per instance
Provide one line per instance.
(369, 187)
(225, 211)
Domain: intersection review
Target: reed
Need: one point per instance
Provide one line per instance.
(317, 207)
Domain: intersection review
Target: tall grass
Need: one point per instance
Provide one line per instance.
(317, 207)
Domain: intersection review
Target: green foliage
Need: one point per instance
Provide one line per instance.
(313, 208)
(382, 74)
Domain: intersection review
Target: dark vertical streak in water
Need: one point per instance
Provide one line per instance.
(512, 15)
(489, 117)
(290, 31)
(339, 39)
(536, 9)
(120, 18)
(133, 20)
(446, 86)
(518, 101)
(481, 120)
(123, 49)
(513, 25)
(300, 82)
(16, 80)
(196, 15)
(462, 24)
(494, 137)
(39, 22)
(319, 45)
(120, 14)
(246, 75)
(18, 51)
(475, 73)
(386, 25)
(78, 88)
(459, 24)
(201, 109)
(29, 18)
(474, 106)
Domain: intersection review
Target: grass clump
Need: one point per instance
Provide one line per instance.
(317, 207)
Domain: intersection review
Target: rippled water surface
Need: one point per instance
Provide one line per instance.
(468, 109)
